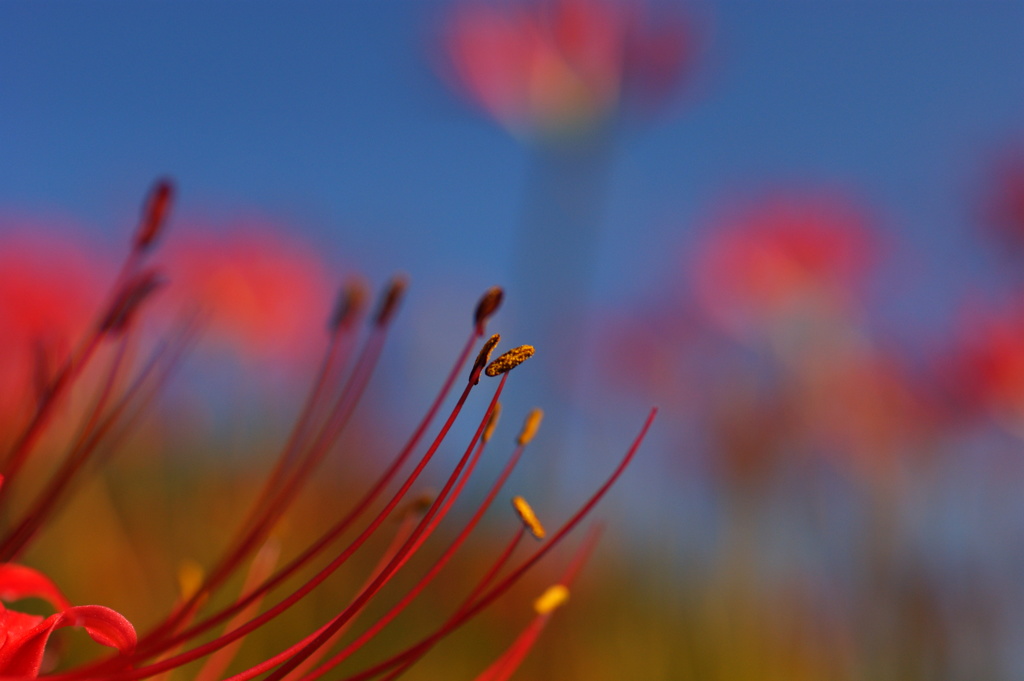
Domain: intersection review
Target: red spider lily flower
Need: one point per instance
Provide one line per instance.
(784, 255)
(23, 637)
(208, 624)
(556, 66)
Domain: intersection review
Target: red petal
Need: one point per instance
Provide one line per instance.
(104, 625)
(18, 581)
(15, 625)
(22, 656)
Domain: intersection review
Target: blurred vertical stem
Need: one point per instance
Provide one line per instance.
(566, 194)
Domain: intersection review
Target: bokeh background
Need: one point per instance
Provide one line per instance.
(796, 227)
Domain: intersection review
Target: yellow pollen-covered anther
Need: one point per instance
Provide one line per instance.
(492, 422)
(552, 598)
(510, 360)
(528, 517)
(530, 427)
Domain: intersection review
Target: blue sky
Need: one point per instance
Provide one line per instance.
(328, 114)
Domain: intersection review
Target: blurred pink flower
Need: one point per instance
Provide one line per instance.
(557, 66)
(260, 289)
(866, 408)
(780, 256)
(647, 349)
(1004, 201)
(986, 370)
(49, 282)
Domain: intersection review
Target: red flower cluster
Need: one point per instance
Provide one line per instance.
(257, 291)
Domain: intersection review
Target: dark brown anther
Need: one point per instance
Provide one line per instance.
(389, 302)
(127, 303)
(419, 504)
(154, 214)
(351, 303)
(483, 358)
(488, 305)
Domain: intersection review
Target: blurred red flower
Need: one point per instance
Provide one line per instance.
(49, 283)
(1004, 202)
(647, 349)
(782, 255)
(865, 408)
(259, 289)
(557, 66)
(987, 365)
(23, 637)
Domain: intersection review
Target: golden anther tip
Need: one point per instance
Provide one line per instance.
(351, 302)
(530, 426)
(510, 360)
(190, 578)
(488, 305)
(492, 422)
(551, 599)
(390, 300)
(483, 358)
(528, 517)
